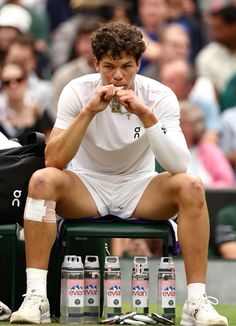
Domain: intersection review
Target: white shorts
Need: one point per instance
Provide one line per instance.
(116, 195)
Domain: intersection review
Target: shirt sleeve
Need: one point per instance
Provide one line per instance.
(166, 137)
(169, 148)
(69, 106)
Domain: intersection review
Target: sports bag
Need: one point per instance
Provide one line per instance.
(17, 164)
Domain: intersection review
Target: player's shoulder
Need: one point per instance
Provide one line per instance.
(88, 80)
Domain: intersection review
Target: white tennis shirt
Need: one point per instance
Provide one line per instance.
(116, 143)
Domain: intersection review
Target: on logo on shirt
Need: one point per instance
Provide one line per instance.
(137, 132)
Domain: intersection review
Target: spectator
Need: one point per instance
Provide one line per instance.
(22, 50)
(58, 11)
(227, 98)
(228, 135)
(174, 45)
(39, 30)
(38, 25)
(217, 60)
(83, 63)
(225, 232)
(152, 16)
(10, 27)
(19, 114)
(184, 13)
(38, 5)
(180, 76)
(204, 154)
(121, 11)
(63, 38)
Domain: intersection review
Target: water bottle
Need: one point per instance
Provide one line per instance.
(91, 290)
(166, 288)
(112, 287)
(72, 290)
(140, 285)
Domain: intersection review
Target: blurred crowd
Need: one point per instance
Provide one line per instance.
(191, 48)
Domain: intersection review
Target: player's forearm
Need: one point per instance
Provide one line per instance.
(63, 146)
(169, 148)
(148, 119)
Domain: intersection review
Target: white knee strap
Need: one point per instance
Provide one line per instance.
(40, 210)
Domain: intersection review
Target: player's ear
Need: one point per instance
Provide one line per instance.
(138, 65)
(96, 64)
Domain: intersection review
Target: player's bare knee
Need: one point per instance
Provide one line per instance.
(41, 180)
(192, 190)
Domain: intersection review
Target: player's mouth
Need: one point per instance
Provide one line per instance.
(119, 87)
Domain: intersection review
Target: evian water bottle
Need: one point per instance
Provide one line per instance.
(140, 285)
(72, 290)
(112, 287)
(166, 288)
(91, 290)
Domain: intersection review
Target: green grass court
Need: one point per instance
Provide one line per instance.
(228, 310)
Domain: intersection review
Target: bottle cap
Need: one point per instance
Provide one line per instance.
(166, 263)
(140, 264)
(112, 263)
(91, 262)
(73, 262)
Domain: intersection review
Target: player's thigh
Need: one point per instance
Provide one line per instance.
(158, 201)
(75, 200)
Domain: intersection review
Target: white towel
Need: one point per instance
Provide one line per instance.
(5, 312)
(6, 143)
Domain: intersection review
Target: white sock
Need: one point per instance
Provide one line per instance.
(196, 290)
(36, 281)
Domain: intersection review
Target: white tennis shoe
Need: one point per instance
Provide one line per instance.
(200, 312)
(33, 310)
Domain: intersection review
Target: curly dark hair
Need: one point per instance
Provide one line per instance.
(115, 38)
(227, 13)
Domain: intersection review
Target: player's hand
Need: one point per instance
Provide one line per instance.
(134, 105)
(100, 99)
(130, 101)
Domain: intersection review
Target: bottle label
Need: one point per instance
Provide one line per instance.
(91, 291)
(168, 293)
(140, 293)
(75, 292)
(113, 293)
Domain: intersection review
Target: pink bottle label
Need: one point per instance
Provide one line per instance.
(75, 292)
(140, 293)
(113, 293)
(91, 291)
(168, 293)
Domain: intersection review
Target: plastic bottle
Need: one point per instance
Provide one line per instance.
(140, 285)
(91, 290)
(72, 290)
(112, 287)
(166, 288)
